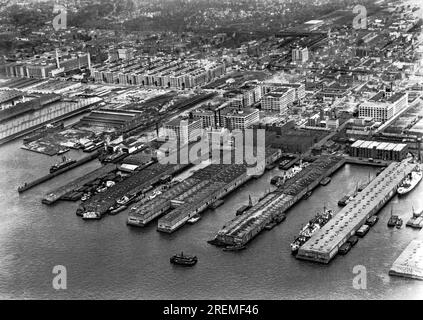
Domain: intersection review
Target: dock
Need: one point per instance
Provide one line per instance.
(54, 195)
(212, 184)
(134, 184)
(243, 228)
(36, 182)
(324, 244)
(410, 263)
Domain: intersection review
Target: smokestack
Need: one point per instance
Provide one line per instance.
(57, 59)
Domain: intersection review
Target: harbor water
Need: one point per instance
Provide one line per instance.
(106, 259)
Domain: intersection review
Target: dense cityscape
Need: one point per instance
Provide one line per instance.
(232, 137)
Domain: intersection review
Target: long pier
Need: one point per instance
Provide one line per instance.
(36, 182)
(58, 193)
(410, 263)
(245, 227)
(324, 244)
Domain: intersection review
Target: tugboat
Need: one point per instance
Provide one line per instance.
(410, 182)
(65, 163)
(183, 260)
(310, 228)
(393, 220)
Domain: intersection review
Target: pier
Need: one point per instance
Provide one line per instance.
(245, 227)
(58, 193)
(324, 244)
(212, 183)
(45, 178)
(410, 263)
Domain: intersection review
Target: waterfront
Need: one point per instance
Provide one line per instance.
(107, 259)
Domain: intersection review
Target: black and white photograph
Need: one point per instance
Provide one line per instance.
(233, 151)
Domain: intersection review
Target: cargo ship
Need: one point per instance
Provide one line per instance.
(184, 260)
(310, 228)
(410, 182)
(65, 163)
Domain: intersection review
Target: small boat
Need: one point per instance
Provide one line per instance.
(114, 211)
(392, 222)
(91, 216)
(270, 225)
(217, 204)
(184, 260)
(344, 201)
(372, 221)
(270, 166)
(307, 195)
(62, 151)
(416, 221)
(194, 219)
(237, 247)
(65, 163)
(352, 240)
(399, 223)
(363, 230)
(345, 248)
(325, 181)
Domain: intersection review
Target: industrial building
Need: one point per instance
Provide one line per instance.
(266, 87)
(26, 116)
(383, 106)
(48, 65)
(183, 130)
(379, 150)
(229, 118)
(161, 73)
(278, 100)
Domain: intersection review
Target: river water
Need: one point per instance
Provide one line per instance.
(107, 259)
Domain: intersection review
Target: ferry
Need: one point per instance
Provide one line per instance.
(410, 182)
(65, 163)
(184, 260)
(194, 219)
(310, 228)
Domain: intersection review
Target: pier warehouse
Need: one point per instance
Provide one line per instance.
(379, 150)
(325, 243)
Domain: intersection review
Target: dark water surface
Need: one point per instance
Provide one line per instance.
(108, 259)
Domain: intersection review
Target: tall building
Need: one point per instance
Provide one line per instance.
(299, 55)
(278, 100)
(240, 119)
(183, 130)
